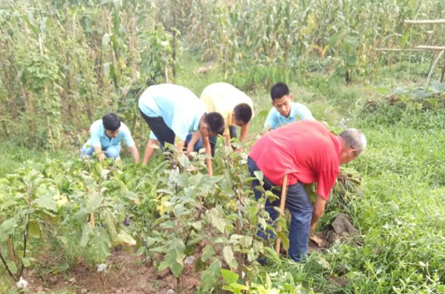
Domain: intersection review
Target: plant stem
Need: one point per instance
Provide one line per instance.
(6, 266)
(25, 242)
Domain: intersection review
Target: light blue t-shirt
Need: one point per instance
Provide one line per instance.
(298, 112)
(178, 106)
(99, 138)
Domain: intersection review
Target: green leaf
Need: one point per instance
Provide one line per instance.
(12, 267)
(259, 175)
(246, 241)
(437, 87)
(217, 221)
(207, 252)
(26, 262)
(34, 229)
(229, 276)
(126, 239)
(6, 228)
(184, 161)
(86, 233)
(174, 261)
(210, 276)
(420, 93)
(99, 245)
(229, 257)
(199, 265)
(46, 201)
(93, 202)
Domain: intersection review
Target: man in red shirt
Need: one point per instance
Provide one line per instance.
(307, 152)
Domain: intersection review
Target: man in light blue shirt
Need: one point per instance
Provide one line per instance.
(174, 111)
(106, 135)
(285, 111)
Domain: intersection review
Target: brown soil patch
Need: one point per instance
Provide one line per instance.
(126, 274)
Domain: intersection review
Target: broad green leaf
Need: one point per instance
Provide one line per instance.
(421, 93)
(259, 175)
(99, 244)
(217, 221)
(12, 267)
(197, 226)
(8, 203)
(246, 241)
(200, 265)
(229, 276)
(126, 239)
(26, 262)
(229, 257)
(207, 252)
(437, 87)
(6, 228)
(210, 276)
(86, 233)
(93, 202)
(184, 161)
(174, 261)
(34, 229)
(46, 201)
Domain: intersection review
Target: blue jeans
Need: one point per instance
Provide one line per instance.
(300, 208)
(110, 152)
(198, 144)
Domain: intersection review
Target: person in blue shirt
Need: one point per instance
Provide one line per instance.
(106, 135)
(172, 111)
(285, 111)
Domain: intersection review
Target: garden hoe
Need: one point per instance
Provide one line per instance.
(282, 205)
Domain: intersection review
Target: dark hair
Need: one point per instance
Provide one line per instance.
(215, 121)
(111, 121)
(243, 112)
(279, 90)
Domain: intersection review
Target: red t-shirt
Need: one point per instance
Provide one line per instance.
(305, 150)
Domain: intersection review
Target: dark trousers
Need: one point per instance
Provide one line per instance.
(300, 208)
(160, 129)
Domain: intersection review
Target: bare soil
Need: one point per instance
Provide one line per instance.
(126, 274)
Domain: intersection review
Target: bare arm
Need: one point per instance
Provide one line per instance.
(227, 139)
(319, 206)
(208, 149)
(191, 145)
(149, 150)
(135, 152)
(244, 130)
(99, 152)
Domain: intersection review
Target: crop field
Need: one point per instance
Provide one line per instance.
(72, 225)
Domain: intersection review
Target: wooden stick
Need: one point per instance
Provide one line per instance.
(433, 48)
(282, 205)
(425, 21)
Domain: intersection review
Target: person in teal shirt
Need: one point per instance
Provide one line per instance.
(285, 111)
(106, 135)
(172, 112)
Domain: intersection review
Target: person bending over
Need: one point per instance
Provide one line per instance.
(172, 111)
(307, 152)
